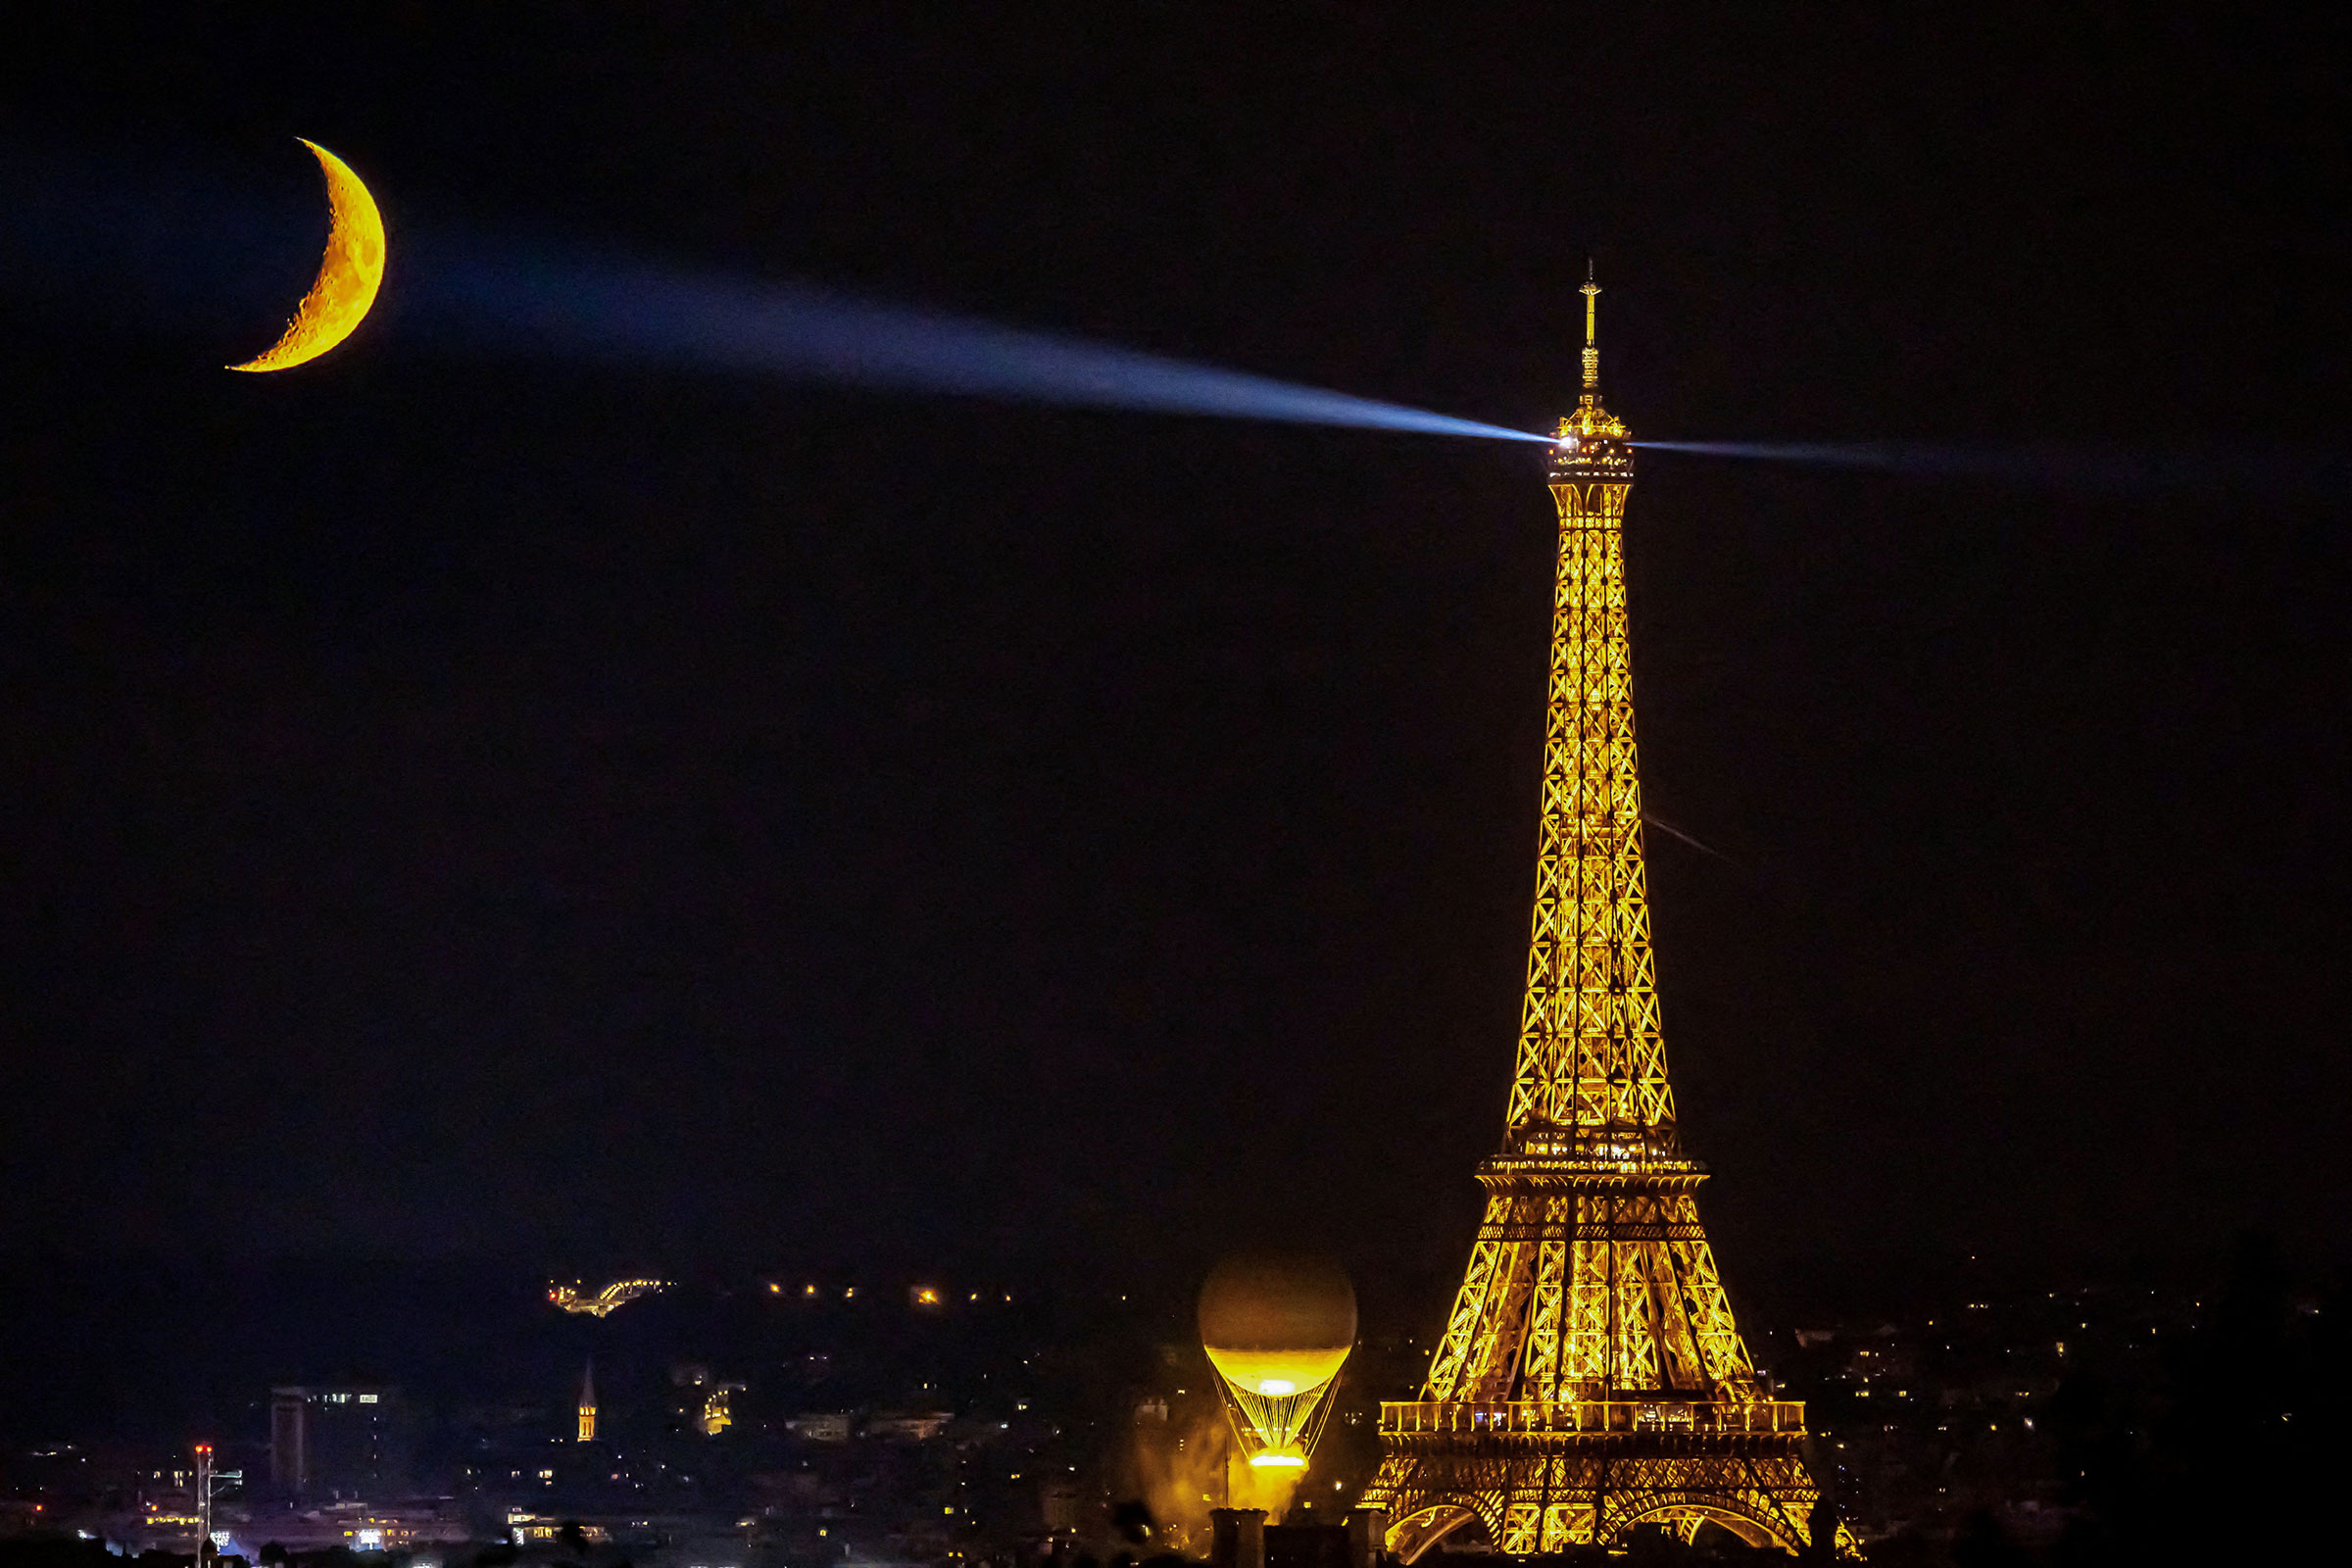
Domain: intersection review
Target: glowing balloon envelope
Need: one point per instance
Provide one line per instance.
(1277, 1329)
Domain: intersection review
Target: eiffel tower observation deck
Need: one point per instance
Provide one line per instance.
(1591, 1377)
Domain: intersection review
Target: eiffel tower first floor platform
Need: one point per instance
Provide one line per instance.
(1543, 1477)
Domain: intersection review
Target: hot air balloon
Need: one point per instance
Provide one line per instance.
(1277, 1329)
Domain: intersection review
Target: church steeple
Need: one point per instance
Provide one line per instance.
(588, 1402)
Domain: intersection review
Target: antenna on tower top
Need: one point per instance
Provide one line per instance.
(1592, 293)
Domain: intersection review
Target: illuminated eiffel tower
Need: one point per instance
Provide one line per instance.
(1591, 1377)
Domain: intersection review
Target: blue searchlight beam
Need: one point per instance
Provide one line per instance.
(600, 311)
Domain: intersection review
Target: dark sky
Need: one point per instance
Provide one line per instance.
(450, 806)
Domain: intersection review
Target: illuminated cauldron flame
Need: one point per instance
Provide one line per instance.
(1277, 1328)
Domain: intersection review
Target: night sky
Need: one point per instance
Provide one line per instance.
(451, 806)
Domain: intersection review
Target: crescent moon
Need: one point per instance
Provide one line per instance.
(348, 277)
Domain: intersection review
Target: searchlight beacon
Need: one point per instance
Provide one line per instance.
(1592, 444)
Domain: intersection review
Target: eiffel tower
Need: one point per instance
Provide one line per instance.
(1591, 1377)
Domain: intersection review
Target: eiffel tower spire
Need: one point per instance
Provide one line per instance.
(1591, 1376)
(1592, 294)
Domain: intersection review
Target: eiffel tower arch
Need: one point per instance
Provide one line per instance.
(1591, 1377)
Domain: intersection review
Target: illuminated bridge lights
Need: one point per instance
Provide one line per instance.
(618, 1293)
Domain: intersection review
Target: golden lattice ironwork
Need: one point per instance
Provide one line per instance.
(1591, 1376)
